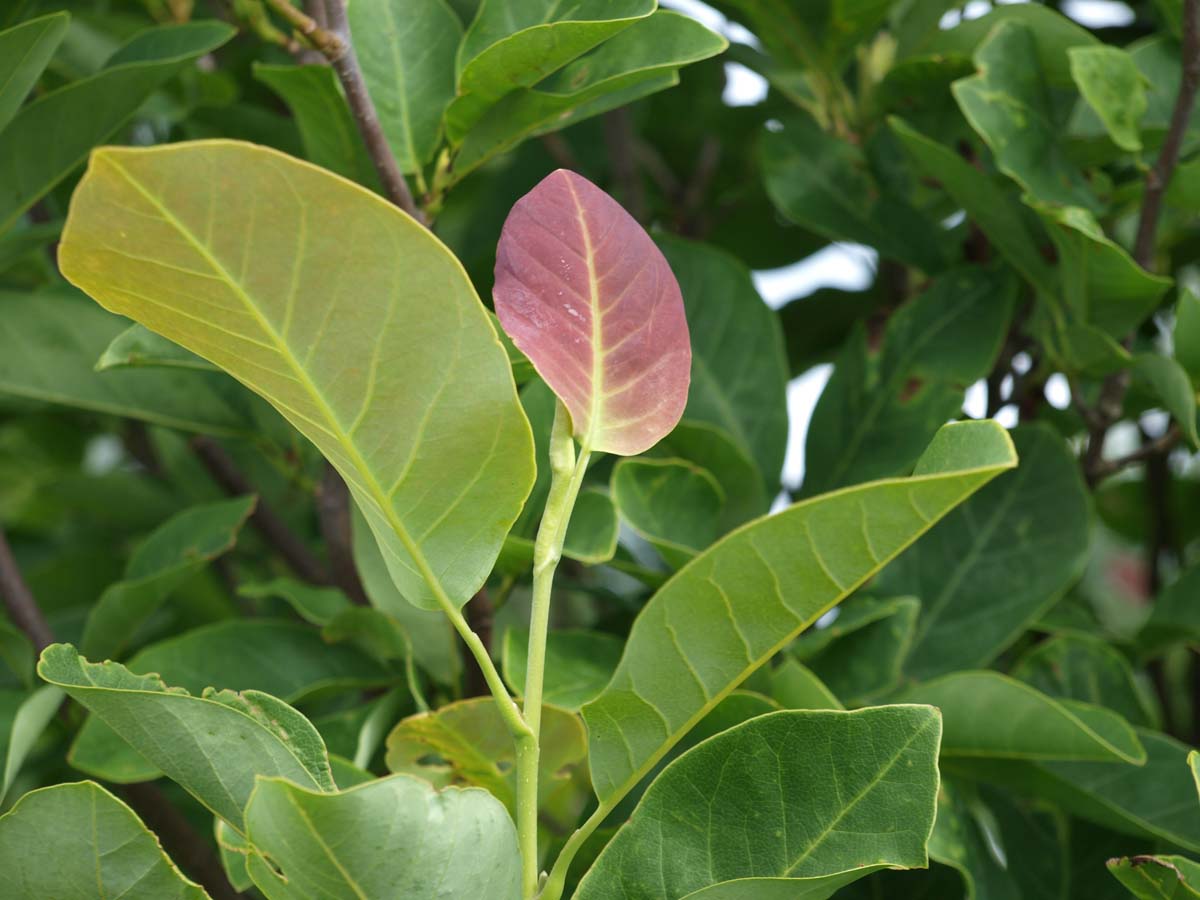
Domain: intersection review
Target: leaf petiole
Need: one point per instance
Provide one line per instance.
(567, 471)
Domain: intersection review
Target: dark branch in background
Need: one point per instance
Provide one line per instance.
(618, 140)
(333, 41)
(560, 151)
(1110, 406)
(1159, 177)
(191, 854)
(695, 191)
(225, 472)
(481, 616)
(18, 600)
(333, 510)
(194, 855)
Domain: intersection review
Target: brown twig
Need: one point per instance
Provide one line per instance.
(1149, 451)
(269, 524)
(333, 511)
(1112, 393)
(1159, 177)
(345, 64)
(19, 600)
(333, 40)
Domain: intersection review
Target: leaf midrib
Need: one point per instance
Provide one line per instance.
(323, 407)
(854, 801)
(609, 803)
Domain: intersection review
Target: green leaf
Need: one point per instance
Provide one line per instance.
(801, 795)
(288, 660)
(997, 563)
(17, 652)
(739, 370)
(1053, 35)
(138, 346)
(823, 183)
(466, 743)
(1110, 82)
(1091, 352)
(989, 714)
(87, 112)
(1186, 336)
(860, 655)
(1139, 800)
(795, 686)
(234, 853)
(734, 606)
(434, 641)
(407, 52)
(32, 716)
(25, 50)
(1100, 282)
(875, 416)
(516, 43)
(1002, 850)
(997, 212)
(76, 842)
(1080, 667)
(316, 605)
(592, 532)
(1170, 384)
(578, 664)
(716, 451)
(172, 554)
(1157, 877)
(1008, 104)
(1175, 616)
(50, 341)
(331, 320)
(669, 502)
(451, 843)
(213, 745)
(331, 139)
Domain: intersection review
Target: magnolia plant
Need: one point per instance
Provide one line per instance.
(359, 327)
(388, 512)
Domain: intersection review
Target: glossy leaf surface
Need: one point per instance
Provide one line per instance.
(25, 49)
(1158, 877)
(672, 504)
(990, 714)
(739, 372)
(999, 561)
(407, 52)
(578, 664)
(213, 746)
(76, 842)
(450, 843)
(804, 795)
(174, 552)
(587, 296)
(328, 317)
(750, 594)
(87, 112)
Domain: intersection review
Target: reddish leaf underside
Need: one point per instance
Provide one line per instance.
(584, 293)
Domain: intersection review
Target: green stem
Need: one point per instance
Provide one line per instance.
(557, 881)
(508, 708)
(566, 478)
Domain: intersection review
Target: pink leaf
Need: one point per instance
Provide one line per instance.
(587, 296)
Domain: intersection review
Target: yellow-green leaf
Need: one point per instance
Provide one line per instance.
(355, 322)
